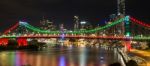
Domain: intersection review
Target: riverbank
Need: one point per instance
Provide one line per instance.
(144, 54)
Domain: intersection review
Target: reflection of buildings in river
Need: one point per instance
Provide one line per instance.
(62, 61)
(38, 60)
(56, 57)
(53, 60)
(83, 57)
(35, 60)
(71, 60)
(3, 59)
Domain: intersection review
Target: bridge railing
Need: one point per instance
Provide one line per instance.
(123, 57)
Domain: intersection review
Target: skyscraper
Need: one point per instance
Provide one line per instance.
(46, 24)
(121, 13)
(121, 7)
(76, 24)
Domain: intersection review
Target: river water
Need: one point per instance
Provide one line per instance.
(59, 57)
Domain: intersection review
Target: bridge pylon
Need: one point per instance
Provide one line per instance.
(127, 33)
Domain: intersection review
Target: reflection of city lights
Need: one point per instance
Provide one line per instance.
(83, 57)
(62, 61)
(70, 46)
(104, 64)
(38, 60)
(17, 60)
(3, 54)
(4, 57)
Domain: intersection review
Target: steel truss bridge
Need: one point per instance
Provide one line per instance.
(123, 28)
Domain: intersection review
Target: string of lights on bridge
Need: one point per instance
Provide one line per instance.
(38, 30)
(69, 32)
(22, 41)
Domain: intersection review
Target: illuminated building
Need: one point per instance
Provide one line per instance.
(76, 24)
(47, 25)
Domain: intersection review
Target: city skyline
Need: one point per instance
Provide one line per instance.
(74, 33)
(62, 11)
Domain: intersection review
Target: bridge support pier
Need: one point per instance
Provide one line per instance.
(3, 41)
(127, 33)
(22, 41)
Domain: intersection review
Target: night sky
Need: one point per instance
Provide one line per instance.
(62, 11)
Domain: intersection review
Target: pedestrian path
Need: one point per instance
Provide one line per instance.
(143, 54)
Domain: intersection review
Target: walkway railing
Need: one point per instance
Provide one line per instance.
(140, 61)
(123, 57)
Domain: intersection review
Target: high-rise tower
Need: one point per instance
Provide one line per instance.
(46, 24)
(121, 7)
(76, 24)
(121, 14)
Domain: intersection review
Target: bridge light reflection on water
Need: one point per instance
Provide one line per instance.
(58, 57)
(62, 61)
(83, 57)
